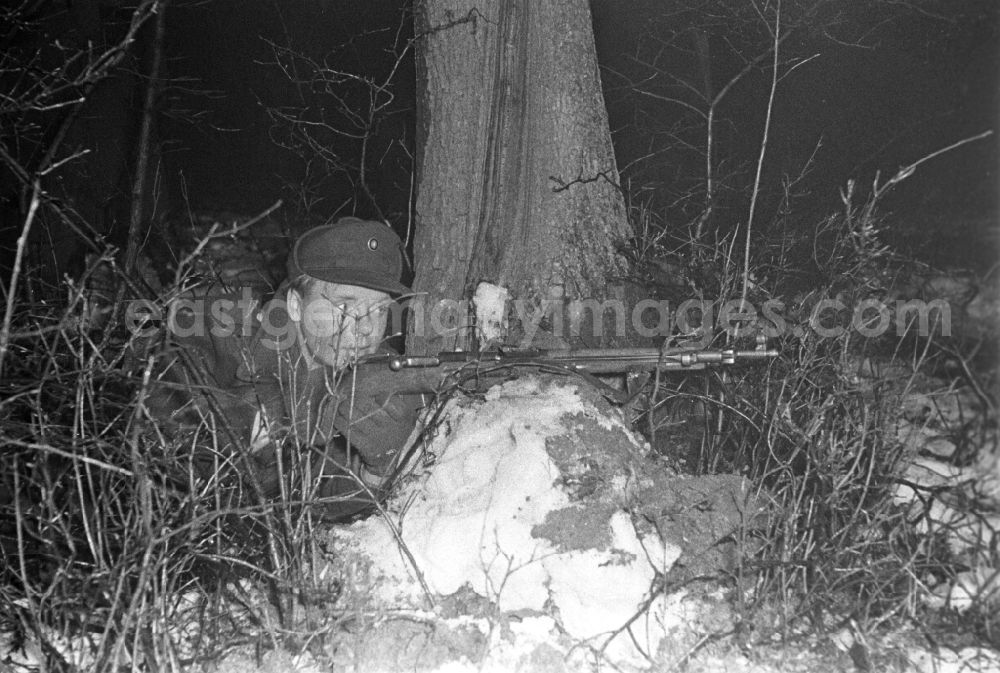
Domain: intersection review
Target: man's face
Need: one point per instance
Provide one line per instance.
(340, 323)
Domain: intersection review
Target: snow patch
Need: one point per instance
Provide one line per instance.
(467, 519)
(490, 302)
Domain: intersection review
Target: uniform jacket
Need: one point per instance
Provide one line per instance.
(249, 372)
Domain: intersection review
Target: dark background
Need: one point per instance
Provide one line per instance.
(915, 83)
(888, 83)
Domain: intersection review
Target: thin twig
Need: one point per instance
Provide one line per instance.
(22, 244)
(908, 170)
(760, 157)
(45, 448)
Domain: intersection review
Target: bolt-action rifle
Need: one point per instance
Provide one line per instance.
(425, 374)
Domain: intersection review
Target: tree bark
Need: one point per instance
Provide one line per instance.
(516, 178)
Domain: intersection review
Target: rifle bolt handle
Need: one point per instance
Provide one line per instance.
(411, 361)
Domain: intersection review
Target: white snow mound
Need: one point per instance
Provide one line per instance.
(467, 521)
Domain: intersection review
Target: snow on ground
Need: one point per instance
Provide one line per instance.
(958, 503)
(514, 545)
(474, 518)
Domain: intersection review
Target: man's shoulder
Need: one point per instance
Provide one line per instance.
(273, 343)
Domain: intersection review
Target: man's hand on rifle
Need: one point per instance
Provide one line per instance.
(374, 417)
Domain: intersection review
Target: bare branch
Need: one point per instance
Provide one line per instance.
(763, 149)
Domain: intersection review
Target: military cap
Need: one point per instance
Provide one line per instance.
(352, 252)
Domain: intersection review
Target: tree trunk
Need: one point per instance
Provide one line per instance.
(516, 177)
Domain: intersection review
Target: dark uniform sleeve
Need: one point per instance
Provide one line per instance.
(374, 417)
